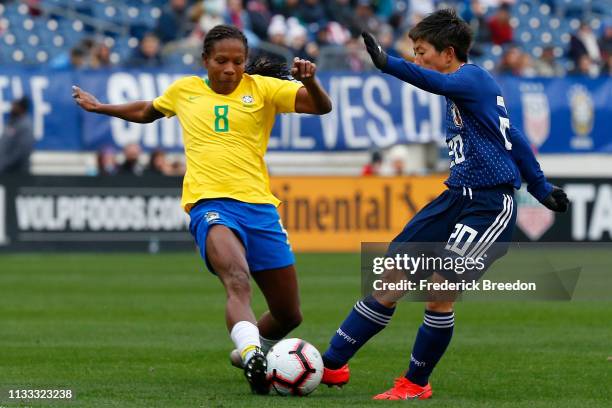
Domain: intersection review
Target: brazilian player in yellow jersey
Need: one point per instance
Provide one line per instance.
(226, 120)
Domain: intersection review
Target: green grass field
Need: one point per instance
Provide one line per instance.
(148, 331)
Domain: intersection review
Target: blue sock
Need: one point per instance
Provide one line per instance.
(367, 318)
(431, 342)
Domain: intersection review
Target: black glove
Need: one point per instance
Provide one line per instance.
(379, 57)
(557, 200)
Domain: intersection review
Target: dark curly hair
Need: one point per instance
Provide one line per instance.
(259, 66)
(444, 29)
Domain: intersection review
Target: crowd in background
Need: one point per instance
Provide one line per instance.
(133, 162)
(307, 28)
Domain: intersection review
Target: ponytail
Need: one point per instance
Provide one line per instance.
(266, 67)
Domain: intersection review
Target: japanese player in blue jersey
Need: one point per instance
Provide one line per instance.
(488, 159)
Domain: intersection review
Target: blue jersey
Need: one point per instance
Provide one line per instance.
(485, 149)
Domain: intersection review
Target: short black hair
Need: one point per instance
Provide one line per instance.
(444, 29)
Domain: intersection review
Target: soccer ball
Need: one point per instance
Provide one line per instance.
(295, 367)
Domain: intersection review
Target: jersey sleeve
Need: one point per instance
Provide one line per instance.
(281, 93)
(165, 103)
(461, 84)
(528, 165)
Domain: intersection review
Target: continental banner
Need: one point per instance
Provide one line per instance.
(338, 213)
(320, 213)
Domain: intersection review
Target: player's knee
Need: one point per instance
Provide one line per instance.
(440, 307)
(290, 319)
(295, 319)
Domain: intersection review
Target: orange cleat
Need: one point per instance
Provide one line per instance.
(337, 377)
(404, 389)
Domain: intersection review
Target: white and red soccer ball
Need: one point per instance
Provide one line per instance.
(295, 367)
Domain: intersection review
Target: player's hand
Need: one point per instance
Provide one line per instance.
(85, 100)
(557, 200)
(303, 70)
(378, 55)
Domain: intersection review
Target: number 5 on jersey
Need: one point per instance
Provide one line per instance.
(221, 120)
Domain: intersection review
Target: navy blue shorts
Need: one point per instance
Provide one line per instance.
(462, 222)
(258, 226)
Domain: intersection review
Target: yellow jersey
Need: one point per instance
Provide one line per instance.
(226, 136)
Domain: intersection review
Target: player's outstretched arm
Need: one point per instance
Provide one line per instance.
(139, 111)
(312, 98)
(455, 85)
(553, 197)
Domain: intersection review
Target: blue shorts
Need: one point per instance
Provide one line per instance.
(258, 226)
(462, 222)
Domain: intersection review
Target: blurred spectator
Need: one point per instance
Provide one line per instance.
(386, 39)
(373, 167)
(511, 61)
(107, 163)
(260, 17)
(131, 161)
(608, 66)
(160, 166)
(405, 46)
(237, 16)
(286, 8)
(78, 58)
(526, 67)
(419, 9)
(87, 44)
(384, 8)
(342, 12)
(33, 7)
(474, 14)
(365, 17)
(584, 42)
(277, 30)
(211, 15)
(173, 23)
(100, 57)
(312, 13)
(147, 55)
(395, 161)
(605, 42)
(297, 40)
(547, 65)
(499, 25)
(585, 66)
(357, 58)
(333, 34)
(17, 140)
